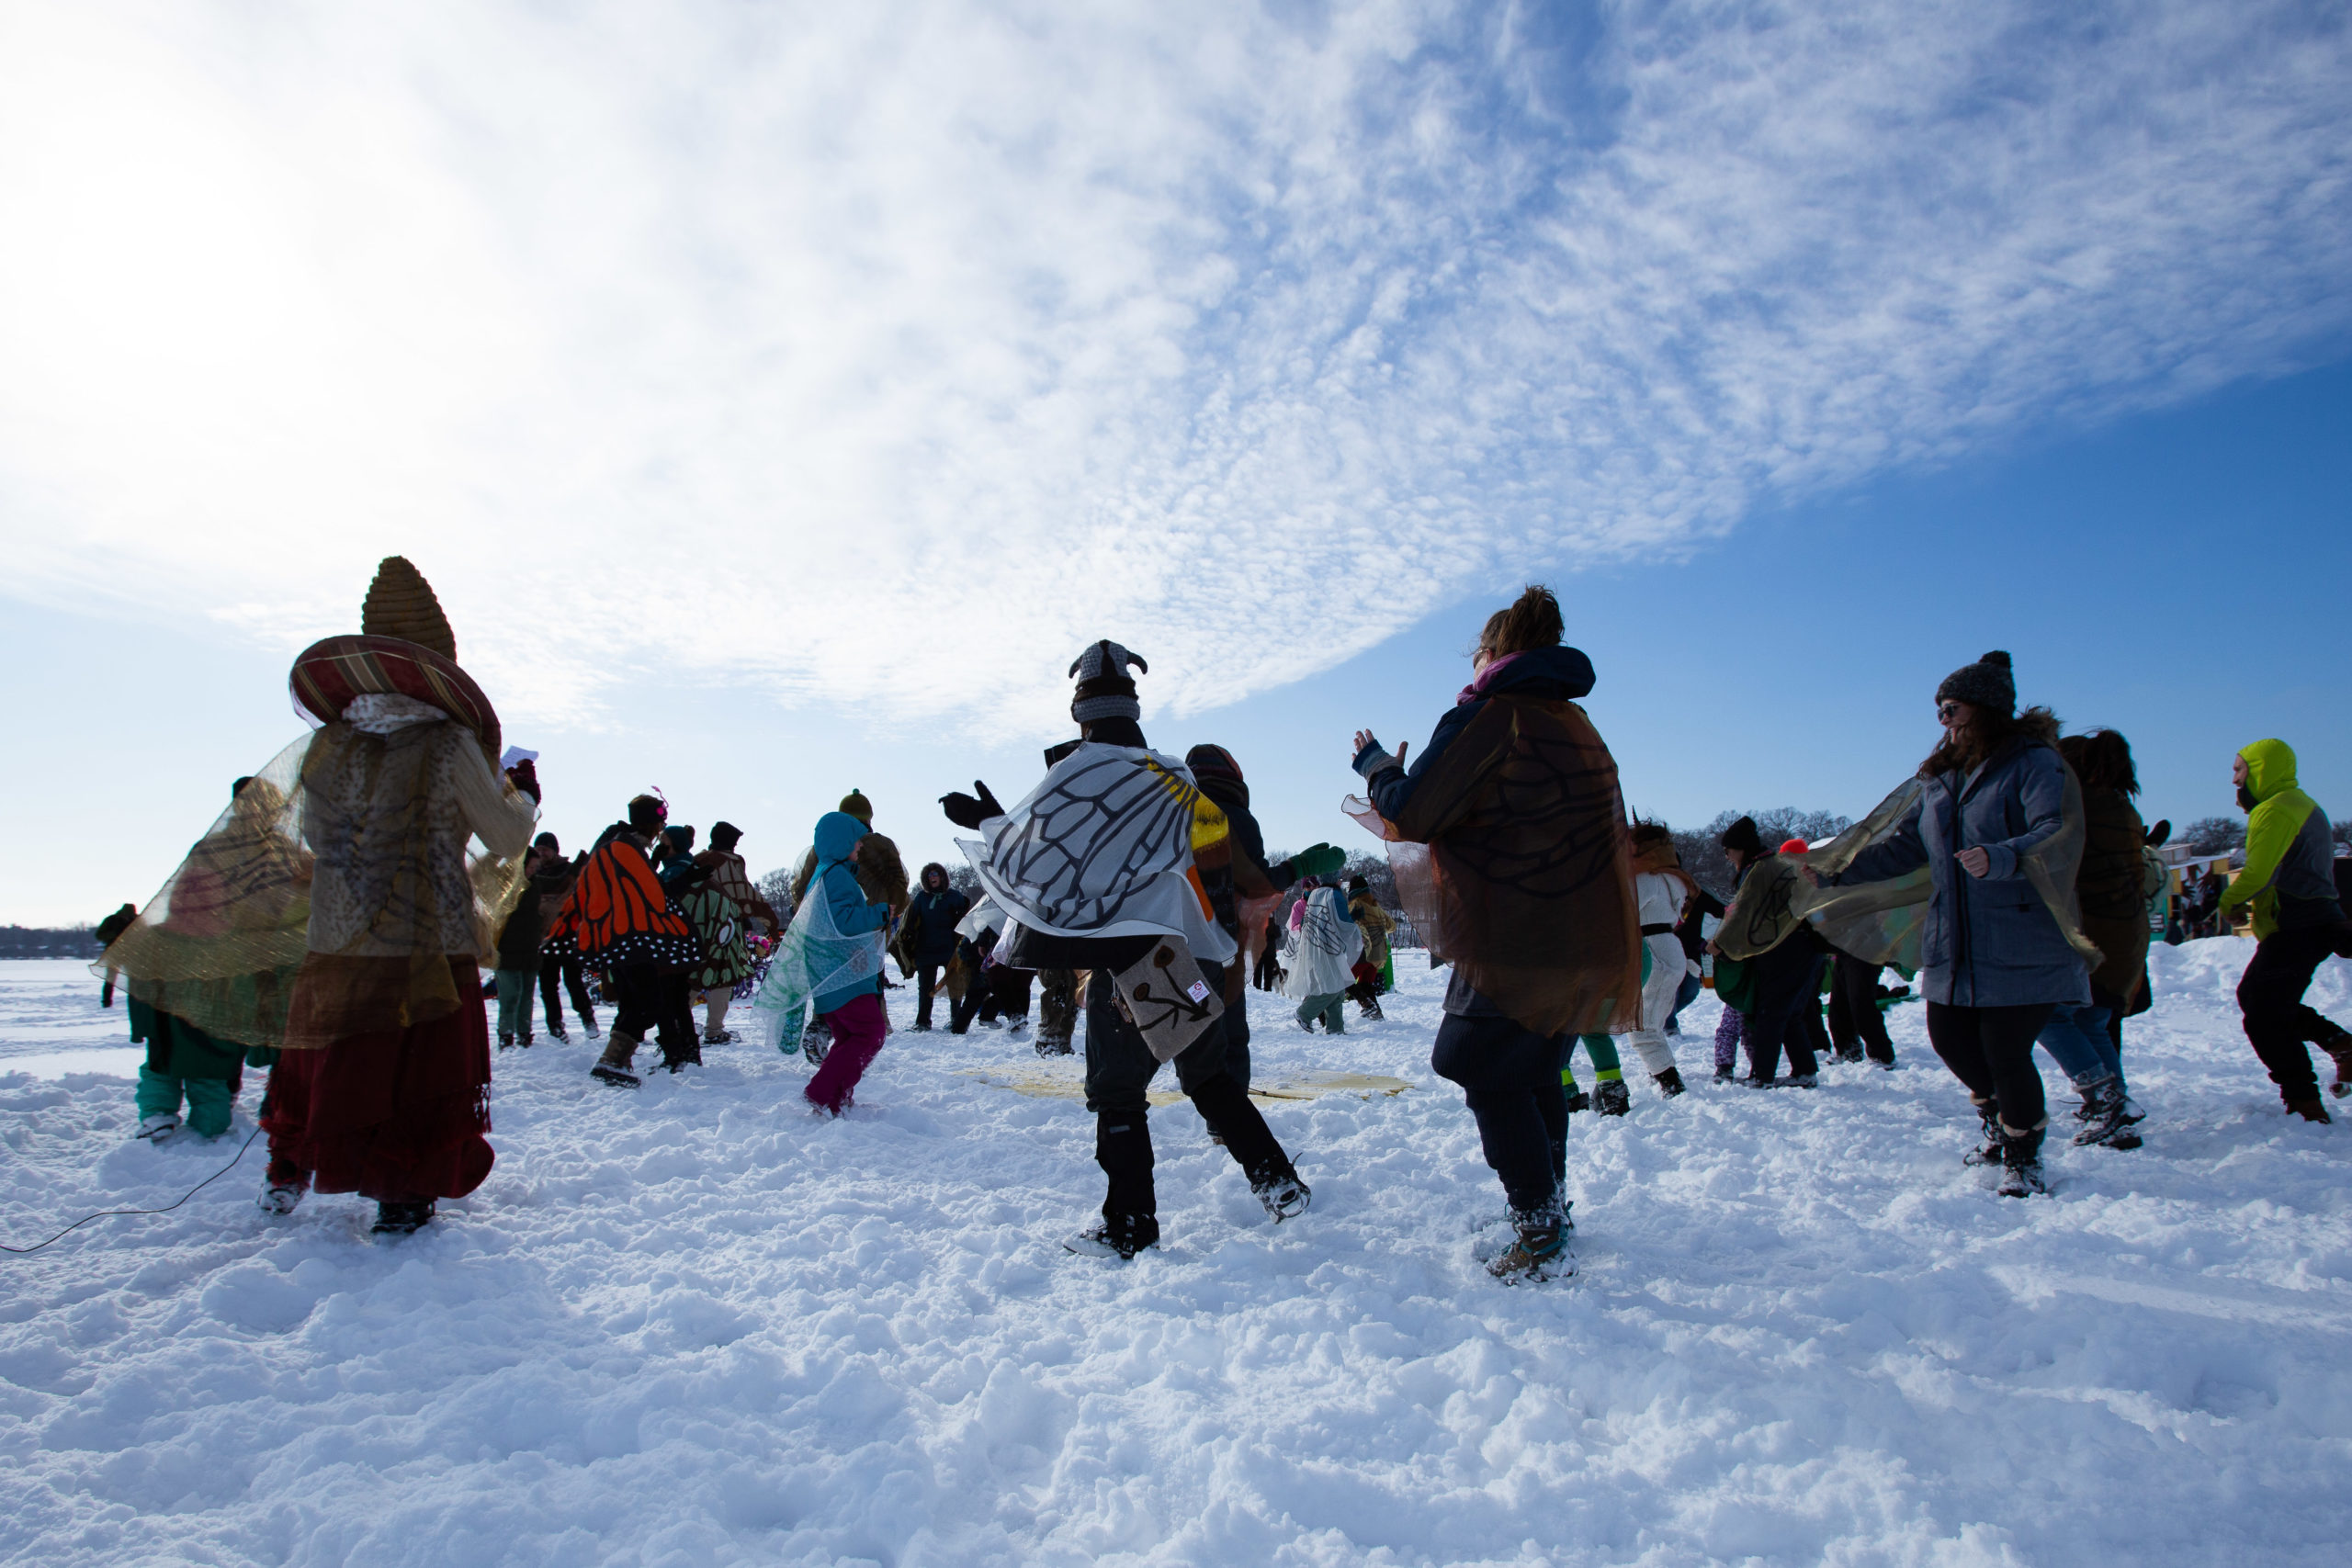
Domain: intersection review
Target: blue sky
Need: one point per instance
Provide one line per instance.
(778, 396)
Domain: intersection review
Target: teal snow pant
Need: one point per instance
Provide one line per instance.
(210, 1100)
(1325, 1007)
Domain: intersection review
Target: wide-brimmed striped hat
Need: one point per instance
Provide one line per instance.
(404, 649)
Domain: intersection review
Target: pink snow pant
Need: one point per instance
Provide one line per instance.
(1727, 1031)
(858, 1028)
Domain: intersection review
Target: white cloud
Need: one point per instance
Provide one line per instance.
(890, 351)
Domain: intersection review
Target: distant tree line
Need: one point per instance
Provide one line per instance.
(49, 941)
(1702, 856)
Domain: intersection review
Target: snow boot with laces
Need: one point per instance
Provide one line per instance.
(158, 1129)
(2021, 1164)
(1539, 1251)
(1669, 1082)
(1120, 1237)
(1284, 1195)
(1611, 1098)
(279, 1198)
(2109, 1115)
(1994, 1139)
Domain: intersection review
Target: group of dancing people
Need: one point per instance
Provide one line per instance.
(332, 925)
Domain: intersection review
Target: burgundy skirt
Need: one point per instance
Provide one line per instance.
(396, 1116)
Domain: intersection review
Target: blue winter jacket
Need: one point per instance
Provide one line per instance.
(1988, 941)
(837, 836)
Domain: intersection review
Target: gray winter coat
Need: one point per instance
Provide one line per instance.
(1988, 941)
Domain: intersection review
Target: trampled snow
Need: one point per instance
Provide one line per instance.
(695, 1326)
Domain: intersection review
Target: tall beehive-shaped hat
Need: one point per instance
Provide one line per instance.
(400, 604)
(405, 648)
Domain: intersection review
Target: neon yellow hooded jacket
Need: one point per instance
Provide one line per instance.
(2288, 846)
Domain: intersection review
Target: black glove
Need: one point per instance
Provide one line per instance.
(969, 811)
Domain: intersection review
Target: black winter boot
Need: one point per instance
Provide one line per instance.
(402, 1219)
(2021, 1163)
(2109, 1115)
(1130, 1205)
(1669, 1082)
(1241, 1127)
(681, 1047)
(1990, 1153)
(1613, 1097)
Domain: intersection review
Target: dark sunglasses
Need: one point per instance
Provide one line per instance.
(1946, 711)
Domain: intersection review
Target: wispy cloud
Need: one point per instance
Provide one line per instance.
(887, 352)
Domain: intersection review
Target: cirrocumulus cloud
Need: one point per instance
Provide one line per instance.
(780, 344)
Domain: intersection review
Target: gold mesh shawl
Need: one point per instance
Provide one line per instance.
(219, 942)
(328, 899)
(1881, 923)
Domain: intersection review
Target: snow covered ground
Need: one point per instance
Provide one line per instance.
(694, 1325)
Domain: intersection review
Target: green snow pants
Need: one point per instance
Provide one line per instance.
(210, 1100)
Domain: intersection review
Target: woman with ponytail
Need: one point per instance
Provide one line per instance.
(1526, 887)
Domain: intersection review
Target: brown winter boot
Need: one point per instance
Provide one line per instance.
(2339, 1046)
(2309, 1110)
(613, 1066)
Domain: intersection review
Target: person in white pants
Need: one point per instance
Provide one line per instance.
(1661, 891)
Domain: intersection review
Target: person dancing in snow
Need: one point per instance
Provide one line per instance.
(831, 962)
(1095, 869)
(383, 1085)
(1662, 890)
(1324, 949)
(2298, 920)
(1375, 971)
(1245, 888)
(1997, 822)
(1527, 889)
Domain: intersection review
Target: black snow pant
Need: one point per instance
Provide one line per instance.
(1787, 980)
(568, 971)
(1510, 1077)
(1237, 1037)
(1855, 1022)
(1008, 994)
(1119, 1070)
(927, 977)
(1991, 1051)
(1057, 1011)
(652, 999)
(2279, 1024)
